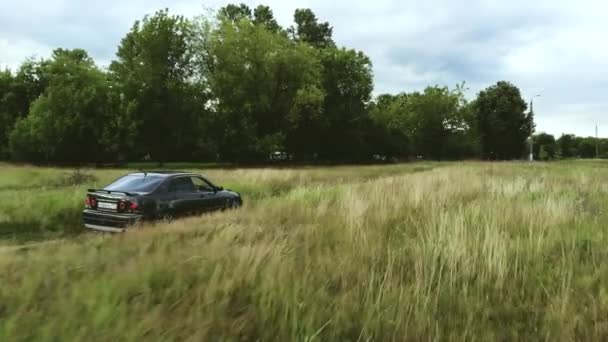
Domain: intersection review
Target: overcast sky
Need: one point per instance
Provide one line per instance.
(555, 48)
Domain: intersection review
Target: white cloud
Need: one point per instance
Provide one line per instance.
(16, 49)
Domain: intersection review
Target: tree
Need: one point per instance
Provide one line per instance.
(603, 148)
(161, 94)
(348, 83)
(543, 154)
(262, 15)
(501, 121)
(267, 91)
(585, 147)
(17, 92)
(386, 131)
(235, 13)
(567, 146)
(309, 30)
(436, 121)
(546, 143)
(30, 82)
(434, 117)
(234, 85)
(7, 110)
(383, 133)
(64, 124)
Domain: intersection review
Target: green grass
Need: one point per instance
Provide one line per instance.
(463, 251)
(44, 203)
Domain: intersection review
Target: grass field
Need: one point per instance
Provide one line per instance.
(424, 251)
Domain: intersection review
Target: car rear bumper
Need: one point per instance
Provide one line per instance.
(109, 222)
(105, 229)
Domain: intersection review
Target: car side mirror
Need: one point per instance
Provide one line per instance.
(219, 188)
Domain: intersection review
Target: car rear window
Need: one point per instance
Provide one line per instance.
(135, 183)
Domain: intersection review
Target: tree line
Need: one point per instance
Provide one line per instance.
(236, 86)
(546, 147)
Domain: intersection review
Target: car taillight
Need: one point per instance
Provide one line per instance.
(91, 202)
(127, 206)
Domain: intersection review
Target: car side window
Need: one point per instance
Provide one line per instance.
(201, 185)
(182, 184)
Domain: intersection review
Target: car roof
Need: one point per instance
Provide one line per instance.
(162, 173)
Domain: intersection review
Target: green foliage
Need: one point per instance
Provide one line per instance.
(543, 154)
(435, 115)
(236, 86)
(64, 123)
(271, 87)
(29, 83)
(586, 147)
(566, 145)
(545, 147)
(385, 142)
(262, 15)
(348, 82)
(502, 124)
(309, 30)
(436, 122)
(74, 178)
(158, 95)
(17, 92)
(6, 116)
(40, 203)
(235, 13)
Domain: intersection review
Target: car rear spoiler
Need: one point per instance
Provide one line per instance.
(112, 191)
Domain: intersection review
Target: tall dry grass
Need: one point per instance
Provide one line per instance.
(469, 251)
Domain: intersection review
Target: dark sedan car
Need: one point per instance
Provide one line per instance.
(153, 195)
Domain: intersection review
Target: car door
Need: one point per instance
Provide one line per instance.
(183, 196)
(165, 199)
(217, 202)
(206, 199)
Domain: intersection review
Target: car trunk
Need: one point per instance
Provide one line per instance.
(110, 209)
(107, 203)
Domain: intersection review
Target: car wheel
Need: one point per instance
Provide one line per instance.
(232, 203)
(168, 218)
(136, 225)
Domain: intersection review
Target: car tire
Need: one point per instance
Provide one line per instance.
(136, 225)
(168, 218)
(232, 203)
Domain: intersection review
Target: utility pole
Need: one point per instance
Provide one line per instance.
(531, 148)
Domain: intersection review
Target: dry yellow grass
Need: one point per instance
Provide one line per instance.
(471, 251)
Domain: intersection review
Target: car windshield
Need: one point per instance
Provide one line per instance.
(135, 183)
